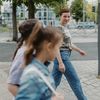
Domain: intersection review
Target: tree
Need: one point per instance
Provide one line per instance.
(14, 5)
(90, 14)
(77, 9)
(0, 2)
(0, 5)
(15, 33)
(0, 9)
(58, 6)
(31, 5)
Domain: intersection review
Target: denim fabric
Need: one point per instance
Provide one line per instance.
(32, 87)
(70, 75)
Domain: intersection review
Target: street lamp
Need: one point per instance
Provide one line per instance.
(98, 38)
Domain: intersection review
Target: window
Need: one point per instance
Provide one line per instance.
(45, 14)
(39, 14)
(49, 15)
(21, 14)
(44, 9)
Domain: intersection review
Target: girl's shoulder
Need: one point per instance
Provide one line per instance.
(21, 50)
(20, 53)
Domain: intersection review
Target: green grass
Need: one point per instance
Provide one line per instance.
(5, 29)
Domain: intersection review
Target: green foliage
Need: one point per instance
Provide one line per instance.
(48, 3)
(36, 2)
(0, 2)
(58, 6)
(4, 28)
(77, 9)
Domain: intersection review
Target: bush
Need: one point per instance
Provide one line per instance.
(4, 25)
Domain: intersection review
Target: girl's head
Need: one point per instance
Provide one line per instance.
(46, 44)
(25, 29)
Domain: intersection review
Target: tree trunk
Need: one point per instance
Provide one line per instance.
(0, 9)
(15, 34)
(31, 9)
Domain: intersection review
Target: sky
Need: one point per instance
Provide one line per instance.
(91, 0)
(87, 0)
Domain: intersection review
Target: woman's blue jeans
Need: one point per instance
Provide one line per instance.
(70, 75)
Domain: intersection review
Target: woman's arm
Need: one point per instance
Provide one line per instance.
(74, 47)
(61, 65)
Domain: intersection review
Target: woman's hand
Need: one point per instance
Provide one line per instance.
(83, 53)
(61, 67)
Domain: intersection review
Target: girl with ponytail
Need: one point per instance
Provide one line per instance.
(45, 46)
(26, 28)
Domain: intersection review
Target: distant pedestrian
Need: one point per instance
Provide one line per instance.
(45, 46)
(62, 64)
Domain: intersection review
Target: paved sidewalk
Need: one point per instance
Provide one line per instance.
(82, 39)
(87, 71)
(4, 94)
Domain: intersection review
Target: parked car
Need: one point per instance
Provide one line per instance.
(72, 26)
(86, 25)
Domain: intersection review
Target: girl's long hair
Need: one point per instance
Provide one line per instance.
(35, 43)
(30, 47)
(25, 29)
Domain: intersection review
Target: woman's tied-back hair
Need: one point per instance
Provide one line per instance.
(49, 34)
(25, 29)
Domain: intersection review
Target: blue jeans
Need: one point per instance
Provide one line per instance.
(70, 75)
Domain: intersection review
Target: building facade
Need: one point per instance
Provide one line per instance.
(44, 14)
